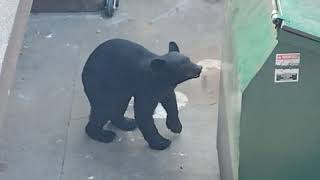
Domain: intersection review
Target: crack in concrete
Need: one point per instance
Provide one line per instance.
(68, 121)
(172, 11)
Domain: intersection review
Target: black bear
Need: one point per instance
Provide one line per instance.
(120, 69)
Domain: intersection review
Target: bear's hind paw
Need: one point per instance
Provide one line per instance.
(126, 124)
(103, 136)
(160, 145)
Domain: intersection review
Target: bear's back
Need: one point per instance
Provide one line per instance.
(118, 61)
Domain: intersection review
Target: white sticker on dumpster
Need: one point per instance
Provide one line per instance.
(286, 75)
(289, 59)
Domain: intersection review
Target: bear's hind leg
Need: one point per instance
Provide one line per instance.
(118, 119)
(94, 128)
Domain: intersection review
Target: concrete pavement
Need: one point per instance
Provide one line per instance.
(43, 135)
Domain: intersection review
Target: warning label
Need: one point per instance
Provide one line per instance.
(289, 59)
(286, 75)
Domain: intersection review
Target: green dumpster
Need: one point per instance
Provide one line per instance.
(269, 112)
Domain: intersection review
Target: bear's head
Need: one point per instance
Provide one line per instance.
(175, 67)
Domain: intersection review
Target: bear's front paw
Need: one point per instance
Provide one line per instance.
(174, 125)
(159, 143)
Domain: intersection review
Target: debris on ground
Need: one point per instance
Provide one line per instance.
(209, 64)
(91, 177)
(49, 36)
(89, 156)
(180, 154)
(59, 141)
(173, 11)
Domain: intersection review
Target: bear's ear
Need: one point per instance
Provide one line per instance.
(173, 47)
(158, 65)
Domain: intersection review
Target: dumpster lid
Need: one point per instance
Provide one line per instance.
(301, 17)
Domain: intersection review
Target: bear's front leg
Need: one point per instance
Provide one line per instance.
(169, 103)
(143, 109)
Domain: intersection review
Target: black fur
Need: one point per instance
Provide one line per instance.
(118, 70)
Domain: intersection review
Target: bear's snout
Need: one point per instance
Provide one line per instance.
(197, 71)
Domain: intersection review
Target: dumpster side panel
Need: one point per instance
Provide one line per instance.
(280, 121)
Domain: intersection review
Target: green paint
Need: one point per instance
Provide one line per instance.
(254, 36)
(301, 15)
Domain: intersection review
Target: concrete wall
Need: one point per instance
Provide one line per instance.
(67, 5)
(14, 15)
(229, 105)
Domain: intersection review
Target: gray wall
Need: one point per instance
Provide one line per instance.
(15, 14)
(67, 5)
(229, 107)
